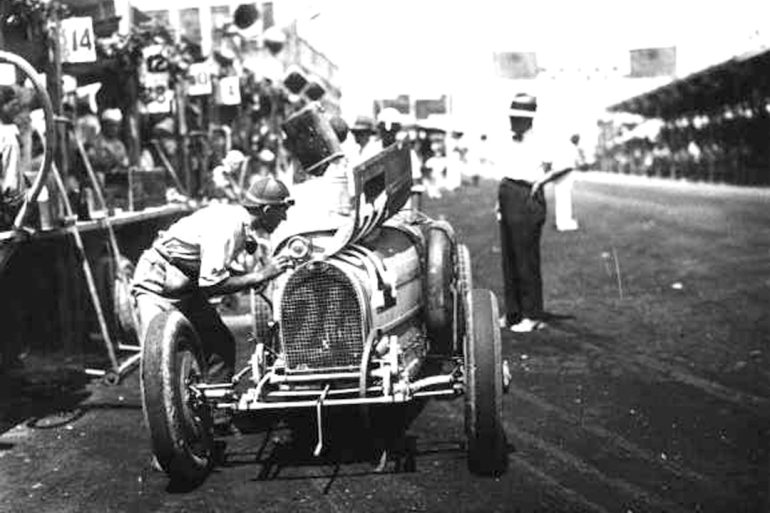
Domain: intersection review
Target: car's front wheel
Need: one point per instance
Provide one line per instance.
(178, 418)
(487, 447)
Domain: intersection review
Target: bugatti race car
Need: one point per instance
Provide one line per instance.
(356, 322)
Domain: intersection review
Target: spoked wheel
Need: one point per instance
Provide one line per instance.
(178, 419)
(487, 450)
(45, 102)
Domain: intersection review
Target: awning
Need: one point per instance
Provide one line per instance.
(742, 79)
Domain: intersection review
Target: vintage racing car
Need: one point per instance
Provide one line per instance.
(354, 323)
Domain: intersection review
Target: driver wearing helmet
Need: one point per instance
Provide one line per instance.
(196, 258)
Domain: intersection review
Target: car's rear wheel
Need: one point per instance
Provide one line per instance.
(178, 419)
(487, 449)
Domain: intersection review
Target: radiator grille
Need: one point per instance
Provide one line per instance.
(321, 320)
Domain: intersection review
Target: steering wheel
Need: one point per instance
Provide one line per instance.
(45, 166)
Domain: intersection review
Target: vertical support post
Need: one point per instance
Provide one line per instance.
(133, 120)
(57, 94)
(183, 136)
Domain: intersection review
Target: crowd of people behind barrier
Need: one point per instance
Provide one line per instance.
(730, 147)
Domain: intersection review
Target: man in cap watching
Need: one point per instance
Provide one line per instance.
(528, 166)
(196, 258)
(108, 153)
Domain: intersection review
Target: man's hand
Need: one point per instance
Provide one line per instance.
(276, 266)
(536, 188)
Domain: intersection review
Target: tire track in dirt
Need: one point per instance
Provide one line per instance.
(573, 497)
(630, 448)
(643, 365)
(588, 476)
(563, 496)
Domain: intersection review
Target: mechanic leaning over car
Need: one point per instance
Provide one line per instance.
(529, 164)
(196, 258)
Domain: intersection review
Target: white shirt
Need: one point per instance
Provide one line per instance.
(10, 173)
(528, 159)
(209, 240)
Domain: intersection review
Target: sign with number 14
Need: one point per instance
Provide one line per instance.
(77, 39)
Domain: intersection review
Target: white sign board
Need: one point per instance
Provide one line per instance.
(160, 104)
(154, 77)
(229, 91)
(154, 60)
(199, 76)
(78, 42)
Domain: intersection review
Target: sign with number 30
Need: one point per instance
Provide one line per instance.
(78, 42)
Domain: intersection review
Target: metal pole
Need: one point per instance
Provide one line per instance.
(57, 92)
(183, 136)
(88, 274)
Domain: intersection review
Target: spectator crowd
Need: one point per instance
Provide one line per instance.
(725, 147)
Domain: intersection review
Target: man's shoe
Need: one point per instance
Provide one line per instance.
(527, 325)
(567, 226)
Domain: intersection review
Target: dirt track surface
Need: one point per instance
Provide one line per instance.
(649, 390)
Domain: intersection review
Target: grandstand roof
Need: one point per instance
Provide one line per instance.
(732, 82)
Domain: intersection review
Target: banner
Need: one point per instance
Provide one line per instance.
(400, 103)
(653, 62)
(516, 64)
(424, 108)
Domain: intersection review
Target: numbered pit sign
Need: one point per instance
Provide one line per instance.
(154, 77)
(199, 76)
(77, 39)
(161, 103)
(229, 91)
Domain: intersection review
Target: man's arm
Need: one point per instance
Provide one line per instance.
(550, 176)
(236, 283)
(565, 159)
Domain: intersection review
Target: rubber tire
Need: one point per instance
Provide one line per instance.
(487, 447)
(439, 302)
(464, 287)
(183, 447)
